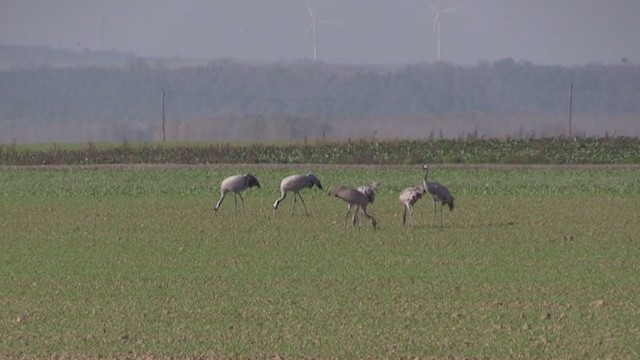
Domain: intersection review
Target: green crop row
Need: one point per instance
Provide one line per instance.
(558, 150)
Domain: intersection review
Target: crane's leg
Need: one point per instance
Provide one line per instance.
(359, 219)
(374, 222)
(346, 218)
(283, 194)
(355, 217)
(222, 195)
(435, 209)
(413, 222)
(241, 200)
(294, 202)
(404, 215)
(441, 222)
(235, 198)
(303, 204)
(408, 209)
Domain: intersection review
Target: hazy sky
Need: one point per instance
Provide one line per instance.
(378, 31)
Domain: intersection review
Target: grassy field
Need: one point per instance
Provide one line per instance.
(532, 263)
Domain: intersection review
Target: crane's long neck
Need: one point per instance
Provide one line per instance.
(424, 180)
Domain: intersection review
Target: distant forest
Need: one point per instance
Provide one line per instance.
(228, 100)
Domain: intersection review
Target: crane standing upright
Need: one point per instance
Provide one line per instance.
(439, 193)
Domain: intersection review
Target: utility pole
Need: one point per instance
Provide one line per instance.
(164, 138)
(570, 107)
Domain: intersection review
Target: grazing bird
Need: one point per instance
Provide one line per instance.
(369, 191)
(295, 183)
(439, 193)
(408, 197)
(356, 198)
(236, 184)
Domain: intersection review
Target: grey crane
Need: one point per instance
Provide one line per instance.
(369, 191)
(295, 183)
(357, 198)
(236, 184)
(408, 197)
(439, 193)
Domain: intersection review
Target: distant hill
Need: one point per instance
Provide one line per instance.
(13, 57)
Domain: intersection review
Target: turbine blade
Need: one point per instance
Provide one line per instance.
(453, 8)
(330, 22)
(430, 5)
(309, 10)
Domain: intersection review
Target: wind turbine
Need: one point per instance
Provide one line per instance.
(314, 28)
(436, 23)
(102, 26)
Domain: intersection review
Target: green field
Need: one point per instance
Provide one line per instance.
(532, 263)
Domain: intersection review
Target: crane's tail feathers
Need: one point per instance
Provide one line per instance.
(450, 203)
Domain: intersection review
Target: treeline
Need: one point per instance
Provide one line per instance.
(226, 87)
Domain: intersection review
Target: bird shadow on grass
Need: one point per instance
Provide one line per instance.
(465, 226)
(484, 225)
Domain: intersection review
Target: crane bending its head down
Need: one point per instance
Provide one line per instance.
(369, 191)
(408, 197)
(236, 184)
(357, 198)
(295, 183)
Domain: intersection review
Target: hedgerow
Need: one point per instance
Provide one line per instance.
(556, 150)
